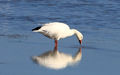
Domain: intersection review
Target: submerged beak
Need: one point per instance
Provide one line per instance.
(80, 41)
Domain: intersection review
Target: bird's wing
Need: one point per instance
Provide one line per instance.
(54, 30)
(57, 24)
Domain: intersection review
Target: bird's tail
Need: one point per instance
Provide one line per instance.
(36, 29)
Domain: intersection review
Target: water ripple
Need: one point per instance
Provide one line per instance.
(15, 36)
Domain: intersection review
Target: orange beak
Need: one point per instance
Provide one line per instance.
(80, 41)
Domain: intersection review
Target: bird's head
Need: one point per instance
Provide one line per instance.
(79, 35)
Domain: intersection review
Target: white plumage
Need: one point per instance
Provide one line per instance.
(57, 30)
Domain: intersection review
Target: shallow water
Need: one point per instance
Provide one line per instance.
(99, 21)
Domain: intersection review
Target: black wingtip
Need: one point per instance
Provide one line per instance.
(37, 28)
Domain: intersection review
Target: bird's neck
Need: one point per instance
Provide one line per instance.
(71, 32)
(77, 33)
(74, 31)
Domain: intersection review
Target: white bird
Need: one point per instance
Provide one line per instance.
(58, 30)
(57, 60)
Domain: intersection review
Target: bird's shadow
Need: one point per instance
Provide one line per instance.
(54, 59)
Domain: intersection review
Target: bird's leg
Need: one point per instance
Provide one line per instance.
(56, 44)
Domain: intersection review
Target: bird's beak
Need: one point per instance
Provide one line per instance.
(80, 41)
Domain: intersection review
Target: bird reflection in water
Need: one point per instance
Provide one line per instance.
(57, 60)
